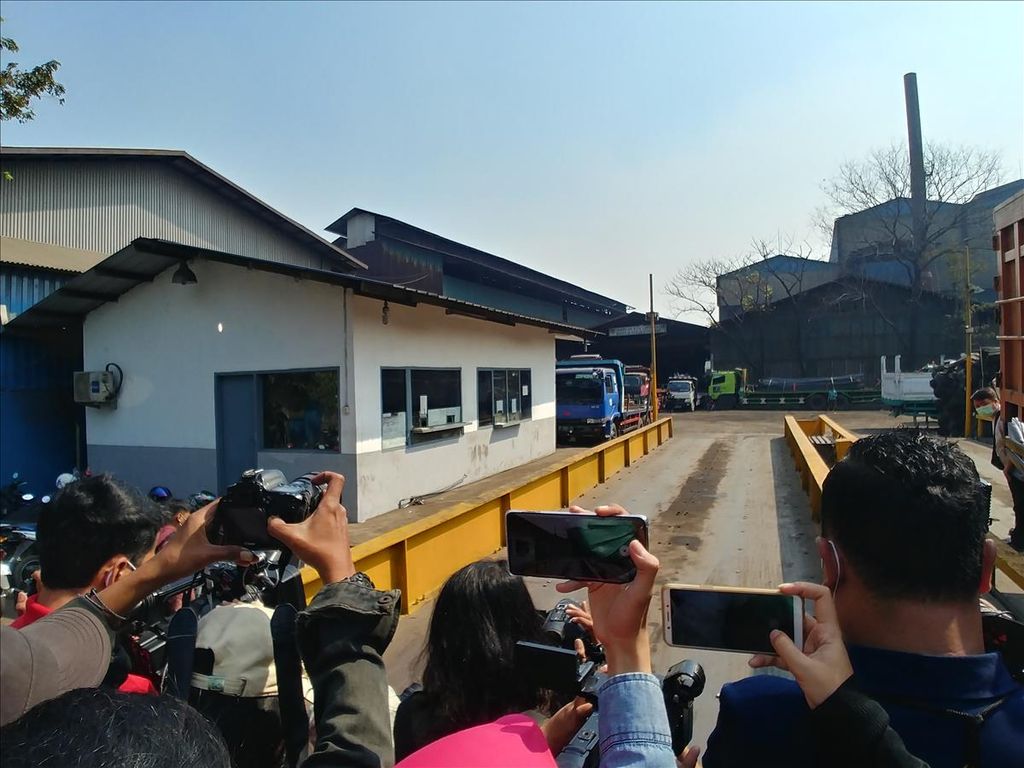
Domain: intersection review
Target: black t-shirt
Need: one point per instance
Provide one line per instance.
(417, 723)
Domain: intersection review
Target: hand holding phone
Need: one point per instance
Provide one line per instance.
(729, 618)
(823, 663)
(619, 611)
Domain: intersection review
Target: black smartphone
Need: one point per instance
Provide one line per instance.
(729, 618)
(578, 546)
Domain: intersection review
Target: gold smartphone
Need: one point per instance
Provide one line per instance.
(733, 619)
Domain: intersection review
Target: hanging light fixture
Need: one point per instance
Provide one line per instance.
(183, 275)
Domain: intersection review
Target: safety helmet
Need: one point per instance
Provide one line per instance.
(160, 493)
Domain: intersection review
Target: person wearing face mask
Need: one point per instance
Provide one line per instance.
(904, 551)
(986, 403)
(92, 534)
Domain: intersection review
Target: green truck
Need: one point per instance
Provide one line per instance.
(730, 389)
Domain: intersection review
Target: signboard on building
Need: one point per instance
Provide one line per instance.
(637, 330)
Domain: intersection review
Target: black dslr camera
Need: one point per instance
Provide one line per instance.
(259, 495)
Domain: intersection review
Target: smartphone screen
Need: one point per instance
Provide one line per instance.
(564, 545)
(730, 620)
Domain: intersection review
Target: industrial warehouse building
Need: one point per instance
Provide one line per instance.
(236, 338)
(682, 347)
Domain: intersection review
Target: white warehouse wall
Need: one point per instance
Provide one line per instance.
(166, 339)
(425, 336)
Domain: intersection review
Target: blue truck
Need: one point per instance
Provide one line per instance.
(600, 399)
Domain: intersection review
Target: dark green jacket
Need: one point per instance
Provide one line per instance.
(342, 637)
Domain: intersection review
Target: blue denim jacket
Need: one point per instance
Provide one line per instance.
(633, 726)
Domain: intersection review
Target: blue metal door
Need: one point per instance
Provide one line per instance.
(237, 424)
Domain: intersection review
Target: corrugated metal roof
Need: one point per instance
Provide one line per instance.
(188, 164)
(480, 259)
(146, 258)
(27, 253)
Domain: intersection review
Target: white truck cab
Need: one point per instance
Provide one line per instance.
(682, 395)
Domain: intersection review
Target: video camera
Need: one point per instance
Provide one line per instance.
(560, 631)
(555, 666)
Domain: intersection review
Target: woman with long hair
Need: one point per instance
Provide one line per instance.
(470, 677)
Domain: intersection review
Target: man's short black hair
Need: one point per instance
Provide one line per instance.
(94, 727)
(88, 522)
(985, 393)
(909, 513)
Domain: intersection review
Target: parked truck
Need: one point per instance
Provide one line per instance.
(680, 393)
(600, 399)
(1008, 243)
(729, 389)
(909, 392)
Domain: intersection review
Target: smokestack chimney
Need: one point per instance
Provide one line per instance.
(917, 188)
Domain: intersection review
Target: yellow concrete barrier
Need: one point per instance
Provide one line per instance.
(813, 469)
(1009, 561)
(809, 463)
(417, 557)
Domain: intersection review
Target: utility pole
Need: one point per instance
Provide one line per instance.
(654, 350)
(968, 330)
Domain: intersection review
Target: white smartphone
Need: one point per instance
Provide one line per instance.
(729, 618)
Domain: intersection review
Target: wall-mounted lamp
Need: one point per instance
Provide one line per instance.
(384, 312)
(183, 275)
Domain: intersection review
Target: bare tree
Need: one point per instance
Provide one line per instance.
(735, 294)
(878, 188)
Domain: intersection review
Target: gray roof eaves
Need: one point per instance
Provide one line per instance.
(287, 223)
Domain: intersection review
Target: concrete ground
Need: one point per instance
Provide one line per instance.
(726, 507)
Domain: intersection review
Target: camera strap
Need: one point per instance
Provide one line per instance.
(181, 647)
(294, 719)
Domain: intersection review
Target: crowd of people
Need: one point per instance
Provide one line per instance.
(893, 670)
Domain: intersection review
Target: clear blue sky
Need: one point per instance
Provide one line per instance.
(593, 142)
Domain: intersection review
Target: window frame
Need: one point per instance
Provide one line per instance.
(261, 408)
(417, 436)
(257, 378)
(525, 402)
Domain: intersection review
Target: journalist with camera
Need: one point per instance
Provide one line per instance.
(905, 554)
(341, 637)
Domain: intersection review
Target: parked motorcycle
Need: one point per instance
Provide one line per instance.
(18, 556)
(13, 496)
(19, 514)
